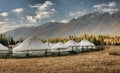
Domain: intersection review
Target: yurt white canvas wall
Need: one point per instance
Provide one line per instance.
(70, 45)
(4, 51)
(32, 46)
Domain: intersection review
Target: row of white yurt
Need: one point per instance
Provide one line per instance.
(68, 46)
(33, 45)
(72, 45)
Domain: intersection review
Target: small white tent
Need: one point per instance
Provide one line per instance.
(3, 49)
(57, 46)
(70, 43)
(49, 44)
(31, 45)
(86, 44)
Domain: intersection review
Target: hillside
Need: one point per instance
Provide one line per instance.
(92, 23)
(91, 62)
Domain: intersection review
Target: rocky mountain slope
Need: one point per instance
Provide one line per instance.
(92, 23)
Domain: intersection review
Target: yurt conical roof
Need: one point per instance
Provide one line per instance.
(85, 43)
(70, 43)
(31, 43)
(18, 43)
(3, 48)
(49, 44)
(59, 45)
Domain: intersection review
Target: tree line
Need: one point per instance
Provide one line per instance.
(96, 39)
(8, 40)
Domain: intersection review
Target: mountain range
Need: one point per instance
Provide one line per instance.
(92, 23)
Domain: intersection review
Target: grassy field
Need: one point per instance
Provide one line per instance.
(92, 62)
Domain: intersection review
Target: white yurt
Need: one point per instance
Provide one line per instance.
(49, 44)
(3, 51)
(32, 46)
(70, 45)
(85, 44)
(57, 46)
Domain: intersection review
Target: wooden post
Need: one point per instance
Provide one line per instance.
(100, 48)
(27, 54)
(91, 48)
(87, 49)
(77, 50)
(46, 52)
(72, 50)
(82, 49)
(58, 51)
(10, 51)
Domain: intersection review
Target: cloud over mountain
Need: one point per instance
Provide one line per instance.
(43, 11)
(92, 23)
(110, 7)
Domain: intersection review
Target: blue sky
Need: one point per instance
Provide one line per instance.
(18, 13)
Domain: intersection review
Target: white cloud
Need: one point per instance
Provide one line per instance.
(17, 10)
(77, 14)
(109, 4)
(31, 19)
(109, 10)
(43, 14)
(42, 6)
(4, 14)
(7, 26)
(112, 4)
(110, 7)
(43, 11)
(64, 21)
(4, 27)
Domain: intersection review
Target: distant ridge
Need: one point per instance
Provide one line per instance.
(92, 23)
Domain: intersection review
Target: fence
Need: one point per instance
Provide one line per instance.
(74, 50)
(56, 52)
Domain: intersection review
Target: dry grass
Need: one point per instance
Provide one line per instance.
(114, 51)
(95, 62)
